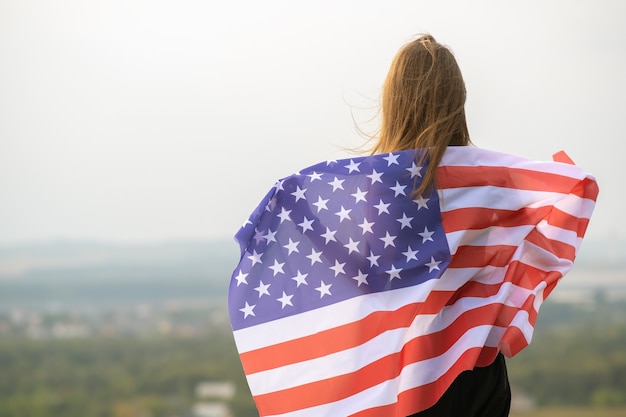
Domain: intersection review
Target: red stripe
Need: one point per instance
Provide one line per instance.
(555, 247)
(425, 396)
(481, 256)
(389, 367)
(507, 177)
(476, 218)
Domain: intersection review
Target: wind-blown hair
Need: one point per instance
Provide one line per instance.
(423, 105)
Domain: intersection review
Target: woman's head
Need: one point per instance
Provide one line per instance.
(423, 103)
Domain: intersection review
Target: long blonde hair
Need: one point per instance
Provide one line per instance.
(423, 105)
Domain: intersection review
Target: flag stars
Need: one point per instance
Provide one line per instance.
(398, 189)
(426, 235)
(373, 259)
(415, 170)
(359, 195)
(324, 289)
(262, 289)
(306, 224)
(315, 257)
(321, 204)
(410, 254)
(291, 247)
(405, 221)
(375, 176)
(337, 184)
(299, 193)
(248, 310)
(315, 176)
(366, 226)
(285, 300)
(270, 236)
(391, 159)
(241, 278)
(277, 267)
(394, 272)
(432, 265)
(338, 267)
(300, 279)
(360, 278)
(255, 257)
(353, 166)
(352, 246)
(343, 214)
(388, 240)
(284, 215)
(329, 235)
(421, 202)
(382, 207)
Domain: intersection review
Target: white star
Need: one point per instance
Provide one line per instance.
(352, 246)
(391, 159)
(284, 215)
(324, 289)
(366, 226)
(299, 193)
(353, 166)
(279, 185)
(263, 289)
(426, 235)
(405, 221)
(241, 278)
(432, 264)
(315, 176)
(410, 254)
(375, 176)
(329, 235)
(300, 279)
(415, 170)
(382, 207)
(398, 189)
(359, 195)
(336, 183)
(388, 239)
(321, 204)
(248, 310)
(277, 267)
(291, 246)
(258, 236)
(255, 257)
(360, 278)
(373, 259)
(315, 256)
(306, 224)
(338, 267)
(270, 236)
(421, 202)
(394, 272)
(343, 214)
(285, 300)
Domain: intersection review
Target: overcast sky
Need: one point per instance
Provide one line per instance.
(138, 120)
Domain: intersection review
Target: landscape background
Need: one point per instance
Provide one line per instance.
(91, 328)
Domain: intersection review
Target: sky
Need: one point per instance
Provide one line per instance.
(137, 120)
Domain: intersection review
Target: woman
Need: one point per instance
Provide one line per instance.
(387, 285)
(423, 107)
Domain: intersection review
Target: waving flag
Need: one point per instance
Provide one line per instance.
(353, 298)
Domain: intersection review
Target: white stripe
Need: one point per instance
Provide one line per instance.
(462, 155)
(387, 343)
(490, 236)
(576, 206)
(499, 198)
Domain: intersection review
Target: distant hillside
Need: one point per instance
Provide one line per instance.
(95, 272)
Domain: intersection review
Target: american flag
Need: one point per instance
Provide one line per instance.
(354, 298)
